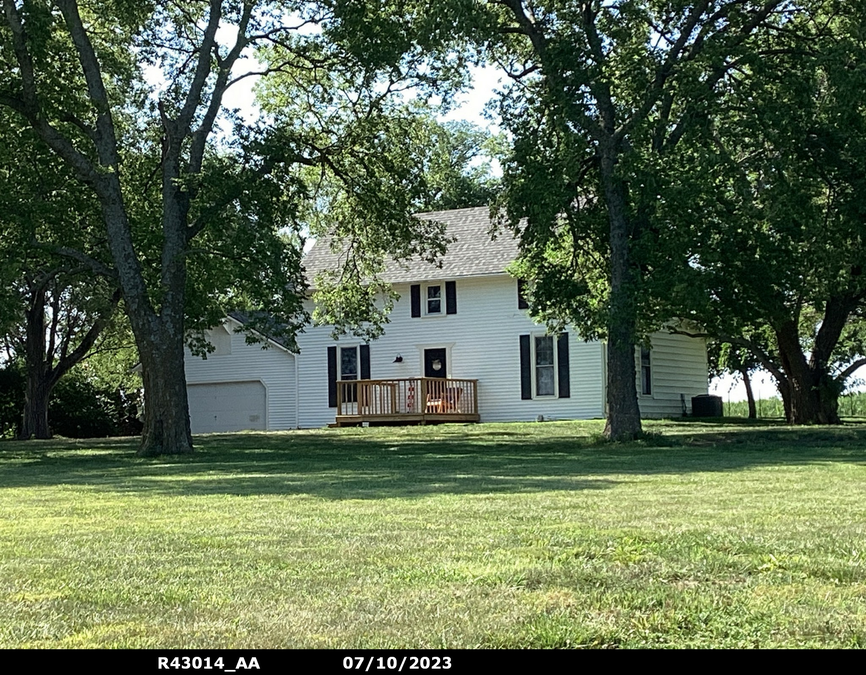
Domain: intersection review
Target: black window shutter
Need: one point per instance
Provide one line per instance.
(332, 377)
(365, 362)
(521, 298)
(451, 297)
(562, 358)
(525, 369)
(415, 293)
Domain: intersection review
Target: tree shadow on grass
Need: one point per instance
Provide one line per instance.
(377, 463)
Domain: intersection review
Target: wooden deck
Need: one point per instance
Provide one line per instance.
(413, 400)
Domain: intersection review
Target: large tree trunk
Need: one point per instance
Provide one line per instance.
(812, 403)
(160, 340)
(159, 335)
(623, 419)
(36, 397)
(38, 389)
(166, 408)
(812, 395)
(826, 392)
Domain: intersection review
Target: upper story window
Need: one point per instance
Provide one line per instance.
(434, 299)
(522, 302)
(646, 384)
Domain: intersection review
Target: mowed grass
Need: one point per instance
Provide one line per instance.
(532, 535)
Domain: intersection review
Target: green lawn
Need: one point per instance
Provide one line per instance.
(498, 535)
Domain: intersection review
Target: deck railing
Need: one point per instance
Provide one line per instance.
(413, 396)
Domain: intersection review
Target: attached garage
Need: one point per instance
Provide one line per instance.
(241, 386)
(227, 406)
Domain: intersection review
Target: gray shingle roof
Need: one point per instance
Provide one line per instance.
(245, 317)
(473, 253)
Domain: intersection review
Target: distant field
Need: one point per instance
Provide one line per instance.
(497, 535)
(852, 406)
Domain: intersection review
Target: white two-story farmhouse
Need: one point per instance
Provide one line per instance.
(460, 347)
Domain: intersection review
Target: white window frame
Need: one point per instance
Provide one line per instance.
(534, 364)
(426, 299)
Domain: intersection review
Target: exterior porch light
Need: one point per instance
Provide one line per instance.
(398, 359)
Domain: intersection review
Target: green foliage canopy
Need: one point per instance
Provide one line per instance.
(776, 239)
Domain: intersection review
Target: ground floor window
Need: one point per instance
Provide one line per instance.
(646, 386)
(348, 363)
(545, 366)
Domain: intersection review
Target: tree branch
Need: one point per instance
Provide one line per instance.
(665, 70)
(202, 70)
(92, 263)
(836, 313)
(106, 138)
(87, 342)
(719, 71)
(199, 138)
(849, 371)
(526, 24)
(599, 85)
(766, 361)
(28, 106)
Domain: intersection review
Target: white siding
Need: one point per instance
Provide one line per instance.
(482, 340)
(679, 367)
(483, 344)
(274, 368)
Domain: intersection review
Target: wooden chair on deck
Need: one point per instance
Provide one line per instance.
(452, 399)
(434, 404)
(448, 402)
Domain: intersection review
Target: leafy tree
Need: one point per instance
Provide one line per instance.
(602, 94)
(372, 159)
(442, 166)
(723, 357)
(54, 311)
(12, 384)
(63, 321)
(458, 172)
(194, 227)
(778, 255)
(81, 408)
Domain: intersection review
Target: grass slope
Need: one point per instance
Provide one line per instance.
(506, 535)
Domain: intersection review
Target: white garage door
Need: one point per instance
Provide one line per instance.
(228, 406)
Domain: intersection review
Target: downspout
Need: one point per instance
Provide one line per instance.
(604, 404)
(297, 393)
